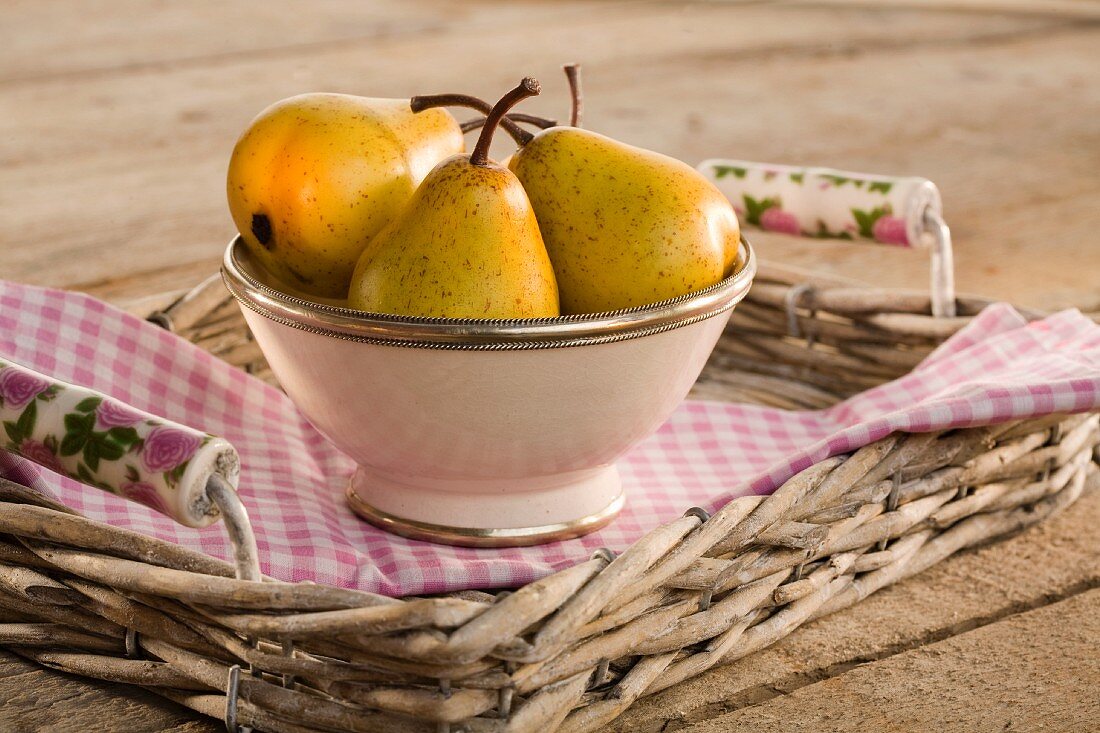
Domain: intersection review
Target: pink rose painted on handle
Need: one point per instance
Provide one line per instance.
(111, 414)
(145, 495)
(167, 447)
(41, 454)
(18, 388)
(775, 219)
(890, 230)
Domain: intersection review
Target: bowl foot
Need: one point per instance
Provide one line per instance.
(489, 513)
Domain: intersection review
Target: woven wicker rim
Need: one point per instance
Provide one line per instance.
(483, 334)
(574, 650)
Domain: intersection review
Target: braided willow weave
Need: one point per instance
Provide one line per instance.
(572, 651)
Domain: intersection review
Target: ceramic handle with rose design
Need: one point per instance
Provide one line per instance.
(102, 442)
(833, 204)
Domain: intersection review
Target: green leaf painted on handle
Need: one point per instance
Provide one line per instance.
(837, 181)
(91, 455)
(865, 220)
(173, 477)
(75, 423)
(108, 449)
(824, 233)
(13, 432)
(88, 404)
(26, 421)
(86, 476)
(83, 473)
(78, 429)
(798, 178)
(880, 187)
(721, 171)
(72, 444)
(123, 436)
(754, 208)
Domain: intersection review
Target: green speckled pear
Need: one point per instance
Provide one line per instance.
(624, 226)
(467, 245)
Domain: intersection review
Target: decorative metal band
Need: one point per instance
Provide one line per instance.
(478, 537)
(484, 334)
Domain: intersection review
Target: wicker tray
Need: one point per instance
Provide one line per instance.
(572, 651)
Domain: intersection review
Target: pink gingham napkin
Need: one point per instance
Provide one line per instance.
(998, 368)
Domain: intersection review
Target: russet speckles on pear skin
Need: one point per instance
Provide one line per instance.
(315, 177)
(366, 200)
(624, 226)
(467, 245)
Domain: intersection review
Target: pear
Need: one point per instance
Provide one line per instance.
(624, 226)
(467, 244)
(315, 177)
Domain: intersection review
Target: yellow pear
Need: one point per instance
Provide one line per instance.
(624, 226)
(467, 244)
(315, 177)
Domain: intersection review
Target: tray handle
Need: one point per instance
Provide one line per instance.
(102, 442)
(827, 203)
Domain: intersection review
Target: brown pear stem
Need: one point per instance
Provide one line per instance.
(422, 102)
(474, 124)
(542, 123)
(528, 87)
(573, 74)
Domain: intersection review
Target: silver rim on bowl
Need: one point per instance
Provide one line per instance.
(484, 334)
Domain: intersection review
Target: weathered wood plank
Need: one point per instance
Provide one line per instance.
(1033, 671)
(1071, 8)
(123, 172)
(35, 699)
(79, 39)
(1054, 560)
(117, 125)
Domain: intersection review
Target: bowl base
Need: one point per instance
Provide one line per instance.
(571, 506)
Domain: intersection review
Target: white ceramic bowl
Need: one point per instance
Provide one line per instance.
(485, 432)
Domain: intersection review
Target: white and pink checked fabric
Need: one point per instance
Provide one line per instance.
(998, 368)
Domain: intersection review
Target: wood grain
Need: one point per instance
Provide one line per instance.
(120, 172)
(82, 39)
(1034, 671)
(37, 700)
(1053, 561)
(118, 120)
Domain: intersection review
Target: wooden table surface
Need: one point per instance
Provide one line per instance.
(118, 118)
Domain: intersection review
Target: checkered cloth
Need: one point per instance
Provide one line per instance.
(998, 368)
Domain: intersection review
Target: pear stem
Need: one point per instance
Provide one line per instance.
(528, 87)
(542, 123)
(422, 102)
(573, 74)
